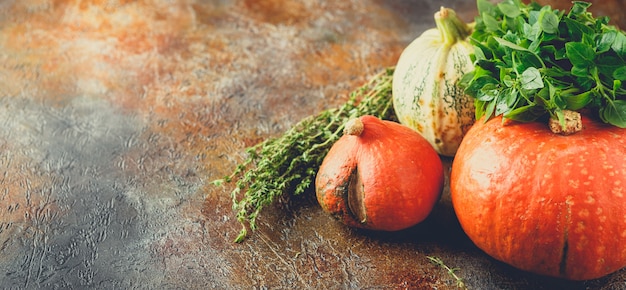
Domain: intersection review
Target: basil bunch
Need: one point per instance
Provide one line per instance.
(532, 61)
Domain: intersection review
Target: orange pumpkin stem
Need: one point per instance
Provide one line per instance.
(572, 123)
(353, 127)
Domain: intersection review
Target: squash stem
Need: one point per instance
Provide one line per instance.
(452, 28)
(353, 127)
(569, 123)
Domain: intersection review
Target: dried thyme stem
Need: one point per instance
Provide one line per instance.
(289, 162)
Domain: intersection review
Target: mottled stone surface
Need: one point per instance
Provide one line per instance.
(115, 116)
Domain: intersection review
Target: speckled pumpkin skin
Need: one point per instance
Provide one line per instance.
(545, 203)
(398, 172)
(426, 96)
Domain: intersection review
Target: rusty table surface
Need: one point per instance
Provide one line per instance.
(116, 115)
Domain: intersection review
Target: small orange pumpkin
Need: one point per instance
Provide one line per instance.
(380, 175)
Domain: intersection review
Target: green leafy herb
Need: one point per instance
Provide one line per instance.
(290, 162)
(532, 61)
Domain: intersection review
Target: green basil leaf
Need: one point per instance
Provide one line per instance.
(508, 81)
(541, 98)
(489, 108)
(532, 32)
(555, 72)
(529, 59)
(579, 8)
(513, 24)
(590, 40)
(558, 101)
(493, 46)
(483, 50)
(519, 23)
(485, 66)
(580, 71)
(580, 54)
(619, 45)
(552, 90)
(585, 82)
(491, 24)
(560, 54)
(607, 64)
(548, 38)
(549, 21)
(509, 9)
(479, 109)
(505, 72)
(466, 79)
(576, 30)
(512, 37)
(615, 113)
(601, 22)
(488, 93)
(577, 102)
(484, 70)
(509, 44)
(480, 85)
(531, 79)
(533, 18)
(548, 96)
(479, 54)
(620, 73)
(484, 6)
(547, 49)
(526, 113)
(512, 97)
(560, 116)
(502, 105)
(605, 41)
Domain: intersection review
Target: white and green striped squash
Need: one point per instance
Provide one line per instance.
(426, 95)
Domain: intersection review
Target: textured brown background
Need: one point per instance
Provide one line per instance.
(115, 115)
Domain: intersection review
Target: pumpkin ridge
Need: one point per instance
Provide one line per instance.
(563, 263)
(564, 251)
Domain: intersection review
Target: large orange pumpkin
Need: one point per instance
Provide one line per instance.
(542, 202)
(380, 175)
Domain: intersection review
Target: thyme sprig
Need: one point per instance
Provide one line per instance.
(290, 162)
(451, 271)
